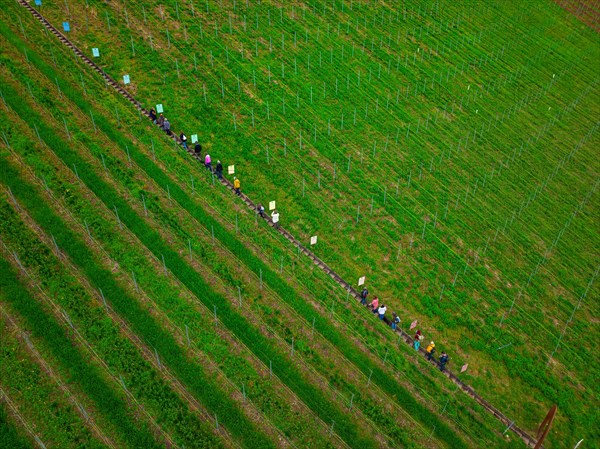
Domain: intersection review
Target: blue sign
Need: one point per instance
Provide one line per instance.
(66, 26)
(95, 52)
(126, 79)
(38, 2)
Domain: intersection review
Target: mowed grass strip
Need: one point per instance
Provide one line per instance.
(37, 395)
(45, 328)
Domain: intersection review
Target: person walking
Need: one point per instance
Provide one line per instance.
(275, 218)
(208, 162)
(219, 170)
(443, 360)
(260, 209)
(198, 150)
(160, 121)
(236, 186)
(418, 340)
(152, 115)
(395, 321)
(363, 296)
(381, 311)
(167, 127)
(430, 350)
(183, 139)
(374, 305)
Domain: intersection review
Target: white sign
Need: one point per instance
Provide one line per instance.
(126, 79)
(159, 108)
(95, 52)
(361, 280)
(413, 325)
(313, 240)
(271, 205)
(231, 169)
(464, 368)
(194, 138)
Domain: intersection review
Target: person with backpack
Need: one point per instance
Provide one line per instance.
(236, 186)
(430, 350)
(443, 360)
(363, 296)
(395, 321)
(198, 150)
(260, 209)
(183, 139)
(219, 170)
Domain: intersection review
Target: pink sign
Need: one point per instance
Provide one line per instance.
(413, 324)
(464, 368)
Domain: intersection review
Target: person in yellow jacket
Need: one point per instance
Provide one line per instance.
(236, 186)
(430, 350)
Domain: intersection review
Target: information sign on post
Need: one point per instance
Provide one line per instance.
(194, 138)
(231, 169)
(413, 325)
(66, 26)
(159, 108)
(313, 240)
(464, 368)
(95, 52)
(361, 280)
(271, 205)
(38, 2)
(126, 79)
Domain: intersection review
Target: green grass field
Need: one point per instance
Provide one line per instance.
(446, 151)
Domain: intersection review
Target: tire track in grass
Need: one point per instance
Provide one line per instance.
(46, 328)
(37, 358)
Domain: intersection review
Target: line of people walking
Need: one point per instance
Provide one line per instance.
(381, 309)
(165, 125)
(218, 169)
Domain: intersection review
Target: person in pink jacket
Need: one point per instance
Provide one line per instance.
(374, 305)
(207, 162)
